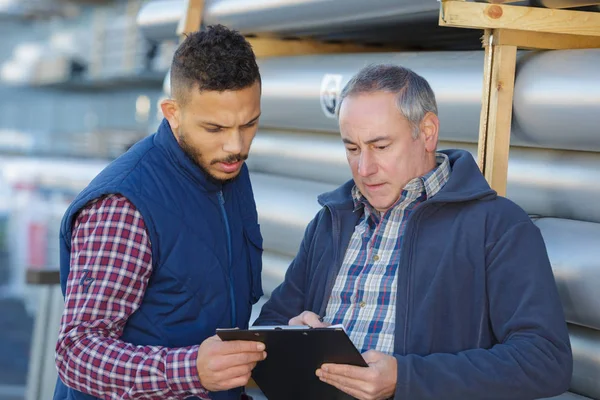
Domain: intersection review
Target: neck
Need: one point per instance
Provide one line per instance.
(428, 165)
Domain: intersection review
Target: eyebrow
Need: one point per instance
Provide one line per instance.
(223, 126)
(370, 141)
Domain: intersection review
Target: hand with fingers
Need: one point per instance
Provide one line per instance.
(308, 318)
(375, 382)
(227, 365)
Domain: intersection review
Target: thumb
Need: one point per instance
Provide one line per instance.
(372, 356)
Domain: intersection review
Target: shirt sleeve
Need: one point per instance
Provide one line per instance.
(111, 262)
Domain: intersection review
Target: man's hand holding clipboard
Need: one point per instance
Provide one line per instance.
(378, 381)
(295, 353)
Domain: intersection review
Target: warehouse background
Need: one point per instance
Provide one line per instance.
(80, 82)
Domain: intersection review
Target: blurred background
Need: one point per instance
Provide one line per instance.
(81, 80)
(78, 85)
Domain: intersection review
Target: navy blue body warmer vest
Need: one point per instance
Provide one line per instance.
(206, 246)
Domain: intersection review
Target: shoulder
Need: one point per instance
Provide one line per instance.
(114, 211)
(502, 216)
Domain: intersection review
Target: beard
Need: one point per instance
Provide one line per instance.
(196, 157)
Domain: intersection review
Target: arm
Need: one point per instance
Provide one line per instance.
(532, 359)
(111, 263)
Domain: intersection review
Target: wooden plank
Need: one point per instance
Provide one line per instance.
(485, 102)
(498, 16)
(497, 141)
(192, 18)
(271, 47)
(568, 3)
(545, 40)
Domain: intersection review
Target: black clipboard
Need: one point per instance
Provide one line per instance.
(293, 356)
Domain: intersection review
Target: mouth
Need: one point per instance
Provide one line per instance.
(230, 167)
(374, 187)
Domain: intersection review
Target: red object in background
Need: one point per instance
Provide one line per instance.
(37, 245)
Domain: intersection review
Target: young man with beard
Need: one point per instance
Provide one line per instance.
(164, 247)
(444, 286)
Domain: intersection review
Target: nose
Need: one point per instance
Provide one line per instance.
(234, 143)
(366, 164)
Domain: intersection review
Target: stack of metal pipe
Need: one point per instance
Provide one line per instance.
(555, 139)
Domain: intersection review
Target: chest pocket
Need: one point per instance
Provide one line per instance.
(254, 244)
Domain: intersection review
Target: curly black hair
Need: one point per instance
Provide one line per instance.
(217, 58)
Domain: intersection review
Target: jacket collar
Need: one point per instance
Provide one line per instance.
(165, 140)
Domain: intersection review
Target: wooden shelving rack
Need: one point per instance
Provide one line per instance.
(507, 28)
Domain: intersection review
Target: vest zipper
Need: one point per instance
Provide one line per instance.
(229, 260)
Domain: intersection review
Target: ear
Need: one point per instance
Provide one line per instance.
(430, 126)
(172, 112)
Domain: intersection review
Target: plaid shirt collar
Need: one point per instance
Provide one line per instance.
(430, 184)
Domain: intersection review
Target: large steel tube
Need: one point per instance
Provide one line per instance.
(285, 206)
(158, 20)
(379, 21)
(557, 98)
(408, 22)
(301, 92)
(586, 361)
(541, 181)
(573, 248)
(274, 268)
(556, 93)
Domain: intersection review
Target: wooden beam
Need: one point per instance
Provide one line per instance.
(497, 16)
(270, 47)
(496, 112)
(485, 100)
(545, 40)
(192, 17)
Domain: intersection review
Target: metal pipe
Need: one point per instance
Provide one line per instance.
(285, 207)
(309, 16)
(556, 93)
(541, 181)
(557, 98)
(159, 19)
(575, 255)
(408, 22)
(586, 361)
(273, 272)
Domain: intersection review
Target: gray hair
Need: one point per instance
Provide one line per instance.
(415, 97)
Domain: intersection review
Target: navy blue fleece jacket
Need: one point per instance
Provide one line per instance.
(478, 314)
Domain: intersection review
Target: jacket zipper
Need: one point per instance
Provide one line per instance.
(229, 260)
(408, 245)
(332, 276)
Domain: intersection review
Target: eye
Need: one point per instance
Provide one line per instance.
(213, 130)
(382, 147)
(250, 125)
(351, 149)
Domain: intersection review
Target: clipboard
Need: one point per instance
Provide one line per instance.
(293, 356)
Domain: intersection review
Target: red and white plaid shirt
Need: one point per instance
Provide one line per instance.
(111, 262)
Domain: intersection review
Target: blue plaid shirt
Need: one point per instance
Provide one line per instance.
(363, 298)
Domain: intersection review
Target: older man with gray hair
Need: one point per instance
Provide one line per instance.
(444, 286)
